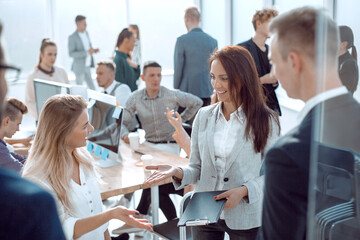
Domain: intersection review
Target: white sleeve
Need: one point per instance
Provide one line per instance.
(122, 94)
(30, 96)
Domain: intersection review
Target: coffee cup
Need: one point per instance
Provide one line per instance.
(134, 141)
(146, 160)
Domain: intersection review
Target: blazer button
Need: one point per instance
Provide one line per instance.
(226, 179)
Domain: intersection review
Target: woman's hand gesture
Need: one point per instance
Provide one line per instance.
(127, 216)
(161, 172)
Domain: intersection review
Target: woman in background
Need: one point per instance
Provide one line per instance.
(136, 53)
(44, 70)
(127, 71)
(348, 68)
(59, 162)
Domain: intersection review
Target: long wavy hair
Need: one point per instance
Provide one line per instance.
(245, 89)
(50, 161)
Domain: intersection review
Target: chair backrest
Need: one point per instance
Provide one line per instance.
(335, 176)
(337, 192)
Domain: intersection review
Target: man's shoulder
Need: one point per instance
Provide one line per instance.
(73, 35)
(246, 43)
(13, 187)
(293, 147)
(137, 94)
(122, 86)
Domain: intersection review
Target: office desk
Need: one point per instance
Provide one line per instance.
(127, 177)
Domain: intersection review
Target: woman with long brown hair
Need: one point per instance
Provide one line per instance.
(227, 144)
(59, 162)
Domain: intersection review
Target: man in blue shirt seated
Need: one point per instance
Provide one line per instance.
(12, 117)
(27, 211)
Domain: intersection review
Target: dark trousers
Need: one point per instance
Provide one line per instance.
(166, 205)
(217, 232)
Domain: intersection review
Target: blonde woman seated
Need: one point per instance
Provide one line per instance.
(45, 70)
(59, 163)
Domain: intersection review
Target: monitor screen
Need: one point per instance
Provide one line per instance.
(106, 119)
(45, 89)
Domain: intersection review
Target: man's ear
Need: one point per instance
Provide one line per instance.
(296, 62)
(142, 77)
(5, 121)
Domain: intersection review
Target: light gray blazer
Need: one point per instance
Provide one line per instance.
(243, 168)
(77, 51)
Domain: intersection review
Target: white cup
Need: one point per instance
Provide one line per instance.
(134, 140)
(146, 160)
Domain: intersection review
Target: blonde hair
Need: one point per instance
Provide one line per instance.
(49, 160)
(296, 30)
(264, 15)
(193, 13)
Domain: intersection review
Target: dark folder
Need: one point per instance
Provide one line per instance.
(202, 209)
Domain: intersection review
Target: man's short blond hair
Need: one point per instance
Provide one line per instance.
(297, 30)
(264, 15)
(193, 14)
(108, 64)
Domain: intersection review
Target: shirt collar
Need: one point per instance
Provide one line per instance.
(196, 30)
(312, 102)
(159, 95)
(110, 88)
(239, 114)
(122, 54)
(2, 142)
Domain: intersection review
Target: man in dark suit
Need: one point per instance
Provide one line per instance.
(331, 115)
(192, 53)
(27, 211)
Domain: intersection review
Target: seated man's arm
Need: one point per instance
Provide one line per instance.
(128, 116)
(190, 102)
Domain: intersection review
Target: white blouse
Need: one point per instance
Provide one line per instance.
(86, 202)
(225, 136)
(59, 75)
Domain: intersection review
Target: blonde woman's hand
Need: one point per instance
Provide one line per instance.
(233, 196)
(176, 121)
(161, 172)
(127, 216)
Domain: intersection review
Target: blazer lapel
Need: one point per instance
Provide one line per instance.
(210, 133)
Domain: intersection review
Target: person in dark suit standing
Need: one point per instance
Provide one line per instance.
(27, 211)
(259, 50)
(192, 53)
(81, 50)
(328, 105)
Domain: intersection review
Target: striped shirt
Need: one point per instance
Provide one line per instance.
(151, 112)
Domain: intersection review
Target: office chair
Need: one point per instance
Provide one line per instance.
(337, 193)
(170, 230)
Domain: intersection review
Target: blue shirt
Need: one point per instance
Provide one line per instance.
(9, 159)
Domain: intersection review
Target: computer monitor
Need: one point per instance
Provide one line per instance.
(45, 89)
(106, 117)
